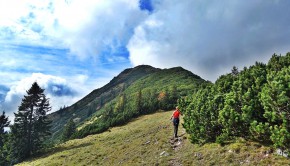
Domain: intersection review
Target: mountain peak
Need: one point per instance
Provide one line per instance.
(131, 74)
(143, 77)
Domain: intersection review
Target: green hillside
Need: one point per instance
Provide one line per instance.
(94, 101)
(159, 90)
(116, 103)
(147, 140)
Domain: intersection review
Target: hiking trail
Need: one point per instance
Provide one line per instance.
(176, 145)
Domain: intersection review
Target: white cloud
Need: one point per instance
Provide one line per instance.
(27, 22)
(9, 17)
(109, 24)
(209, 37)
(86, 27)
(18, 90)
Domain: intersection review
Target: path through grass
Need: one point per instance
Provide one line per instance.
(147, 140)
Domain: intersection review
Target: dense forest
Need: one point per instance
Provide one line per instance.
(253, 103)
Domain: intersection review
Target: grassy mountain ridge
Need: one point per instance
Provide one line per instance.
(92, 102)
(149, 81)
(176, 76)
(159, 90)
(146, 140)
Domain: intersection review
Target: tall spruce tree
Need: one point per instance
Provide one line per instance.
(31, 125)
(3, 123)
(3, 139)
(139, 102)
(69, 130)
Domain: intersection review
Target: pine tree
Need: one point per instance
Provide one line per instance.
(120, 105)
(3, 139)
(275, 98)
(69, 130)
(3, 123)
(139, 102)
(172, 97)
(150, 101)
(235, 71)
(31, 125)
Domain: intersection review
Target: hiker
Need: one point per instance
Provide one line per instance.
(175, 120)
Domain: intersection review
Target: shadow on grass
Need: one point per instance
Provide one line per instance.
(57, 150)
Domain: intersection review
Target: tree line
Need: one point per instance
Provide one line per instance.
(127, 106)
(253, 103)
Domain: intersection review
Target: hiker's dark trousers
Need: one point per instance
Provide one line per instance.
(175, 123)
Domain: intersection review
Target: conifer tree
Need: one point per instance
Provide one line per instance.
(139, 102)
(275, 98)
(120, 105)
(235, 71)
(69, 130)
(3, 123)
(31, 125)
(172, 97)
(3, 139)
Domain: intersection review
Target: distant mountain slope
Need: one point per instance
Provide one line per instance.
(159, 89)
(97, 98)
(167, 78)
(147, 141)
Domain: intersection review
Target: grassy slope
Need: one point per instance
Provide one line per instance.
(160, 81)
(141, 142)
(91, 102)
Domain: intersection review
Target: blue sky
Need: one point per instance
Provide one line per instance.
(71, 47)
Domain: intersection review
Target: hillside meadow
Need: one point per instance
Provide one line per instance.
(147, 140)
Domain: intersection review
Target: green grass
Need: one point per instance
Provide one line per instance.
(141, 142)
